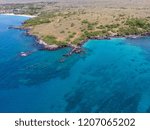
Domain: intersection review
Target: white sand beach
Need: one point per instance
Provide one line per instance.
(11, 14)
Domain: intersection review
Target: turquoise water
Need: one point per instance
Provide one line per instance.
(112, 75)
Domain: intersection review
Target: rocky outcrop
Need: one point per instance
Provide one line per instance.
(146, 34)
(100, 38)
(15, 27)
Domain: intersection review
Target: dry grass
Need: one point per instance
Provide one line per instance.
(101, 11)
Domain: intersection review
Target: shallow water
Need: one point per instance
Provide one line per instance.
(112, 76)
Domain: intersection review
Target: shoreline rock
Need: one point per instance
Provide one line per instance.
(75, 48)
(46, 46)
(15, 27)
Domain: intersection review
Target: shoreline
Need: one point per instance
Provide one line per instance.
(75, 48)
(21, 15)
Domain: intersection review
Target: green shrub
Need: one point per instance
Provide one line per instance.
(53, 40)
(50, 39)
(68, 40)
(71, 36)
(129, 31)
(135, 22)
(85, 21)
(74, 33)
(62, 32)
(90, 27)
(72, 24)
(36, 21)
(101, 27)
(111, 26)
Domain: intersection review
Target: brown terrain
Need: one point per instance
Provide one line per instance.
(74, 17)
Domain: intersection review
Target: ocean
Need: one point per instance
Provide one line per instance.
(110, 76)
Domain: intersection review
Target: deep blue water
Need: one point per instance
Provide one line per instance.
(112, 75)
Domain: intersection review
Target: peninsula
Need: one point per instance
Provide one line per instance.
(61, 23)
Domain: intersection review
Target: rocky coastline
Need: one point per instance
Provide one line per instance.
(74, 48)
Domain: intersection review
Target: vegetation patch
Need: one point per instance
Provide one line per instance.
(52, 40)
(36, 21)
